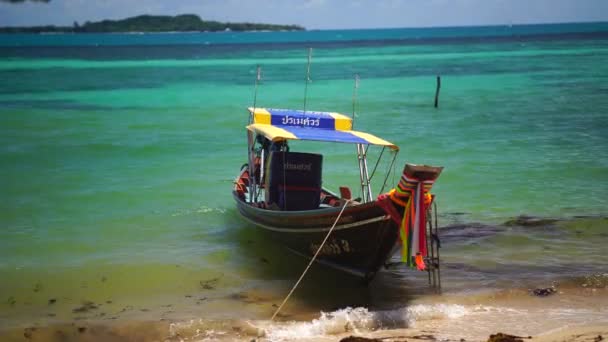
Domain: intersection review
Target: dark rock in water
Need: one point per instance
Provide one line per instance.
(60, 335)
(209, 284)
(456, 213)
(11, 301)
(500, 337)
(27, 332)
(530, 221)
(238, 296)
(126, 308)
(38, 287)
(284, 316)
(359, 339)
(85, 307)
(82, 329)
(544, 292)
(52, 301)
(467, 232)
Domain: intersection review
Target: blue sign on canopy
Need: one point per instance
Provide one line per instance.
(287, 124)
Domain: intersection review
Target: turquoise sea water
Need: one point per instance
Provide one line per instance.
(117, 155)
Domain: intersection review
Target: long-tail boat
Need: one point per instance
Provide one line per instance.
(281, 191)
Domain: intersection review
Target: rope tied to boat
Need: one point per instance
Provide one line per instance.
(314, 257)
(413, 196)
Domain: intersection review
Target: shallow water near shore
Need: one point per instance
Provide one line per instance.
(480, 291)
(117, 162)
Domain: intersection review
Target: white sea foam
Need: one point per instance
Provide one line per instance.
(360, 320)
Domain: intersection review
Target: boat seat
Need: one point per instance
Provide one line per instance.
(245, 179)
(345, 192)
(293, 180)
(241, 186)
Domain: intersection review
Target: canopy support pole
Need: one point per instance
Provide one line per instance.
(366, 187)
(251, 166)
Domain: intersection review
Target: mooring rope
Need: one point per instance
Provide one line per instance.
(311, 261)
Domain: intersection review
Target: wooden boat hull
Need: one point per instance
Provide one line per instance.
(362, 241)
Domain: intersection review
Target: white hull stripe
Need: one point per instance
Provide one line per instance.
(317, 230)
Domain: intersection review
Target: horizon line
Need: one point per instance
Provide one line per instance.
(337, 29)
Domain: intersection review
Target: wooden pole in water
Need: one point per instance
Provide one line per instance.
(437, 91)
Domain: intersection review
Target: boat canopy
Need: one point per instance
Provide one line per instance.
(289, 124)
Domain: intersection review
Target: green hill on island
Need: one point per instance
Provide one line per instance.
(153, 23)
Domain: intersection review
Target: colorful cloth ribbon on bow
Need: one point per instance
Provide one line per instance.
(413, 195)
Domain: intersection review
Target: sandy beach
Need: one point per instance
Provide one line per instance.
(583, 333)
(568, 314)
(164, 331)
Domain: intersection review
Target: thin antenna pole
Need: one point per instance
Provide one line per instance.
(307, 77)
(258, 78)
(253, 191)
(361, 153)
(355, 88)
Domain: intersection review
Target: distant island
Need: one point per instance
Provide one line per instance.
(152, 23)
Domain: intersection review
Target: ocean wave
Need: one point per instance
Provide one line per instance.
(360, 320)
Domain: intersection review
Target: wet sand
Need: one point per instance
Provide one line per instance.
(585, 333)
(165, 331)
(568, 314)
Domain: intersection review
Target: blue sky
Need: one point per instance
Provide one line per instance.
(315, 14)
